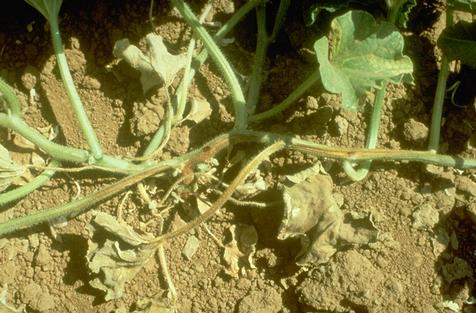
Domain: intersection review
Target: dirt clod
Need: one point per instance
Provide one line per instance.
(425, 217)
(37, 298)
(340, 125)
(415, 131)
(266, 300)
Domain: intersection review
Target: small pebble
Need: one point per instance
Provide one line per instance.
(191, 247)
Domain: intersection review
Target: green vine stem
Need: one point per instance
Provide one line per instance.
(237, 17)
(35, 183)
(294, 96)
(156, 141)
(372, 137)
(437, 112)
(263, 42)
(12, 103)
(279, 20)
(182, 93)
(435, 129)
(353, 154)
(76, 207)
(222, 32)
(64, 153)
(73, 96)
(55, 150)
(239, 103)
(160, 134)
(256, 79)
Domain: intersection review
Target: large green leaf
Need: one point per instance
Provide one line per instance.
(458, 42)
(463, 5)
(362, 55)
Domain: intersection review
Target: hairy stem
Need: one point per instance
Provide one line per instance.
(279, 20)
(352, 154)
(76, 207)
(64, 153)
(182, 91)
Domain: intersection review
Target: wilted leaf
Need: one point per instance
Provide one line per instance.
(10, 172)
(362, 55)
(458, 42)
(119, 229)
(117, 259)
(157, 68)
(199, 111)
(241, 248)
(312, 214)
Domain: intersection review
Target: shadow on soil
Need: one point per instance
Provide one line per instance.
(457, 262)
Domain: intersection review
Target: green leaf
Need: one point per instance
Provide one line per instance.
(458, 42)
(362, 55)
(463, 5)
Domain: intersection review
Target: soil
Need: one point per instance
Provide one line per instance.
(423, 260)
